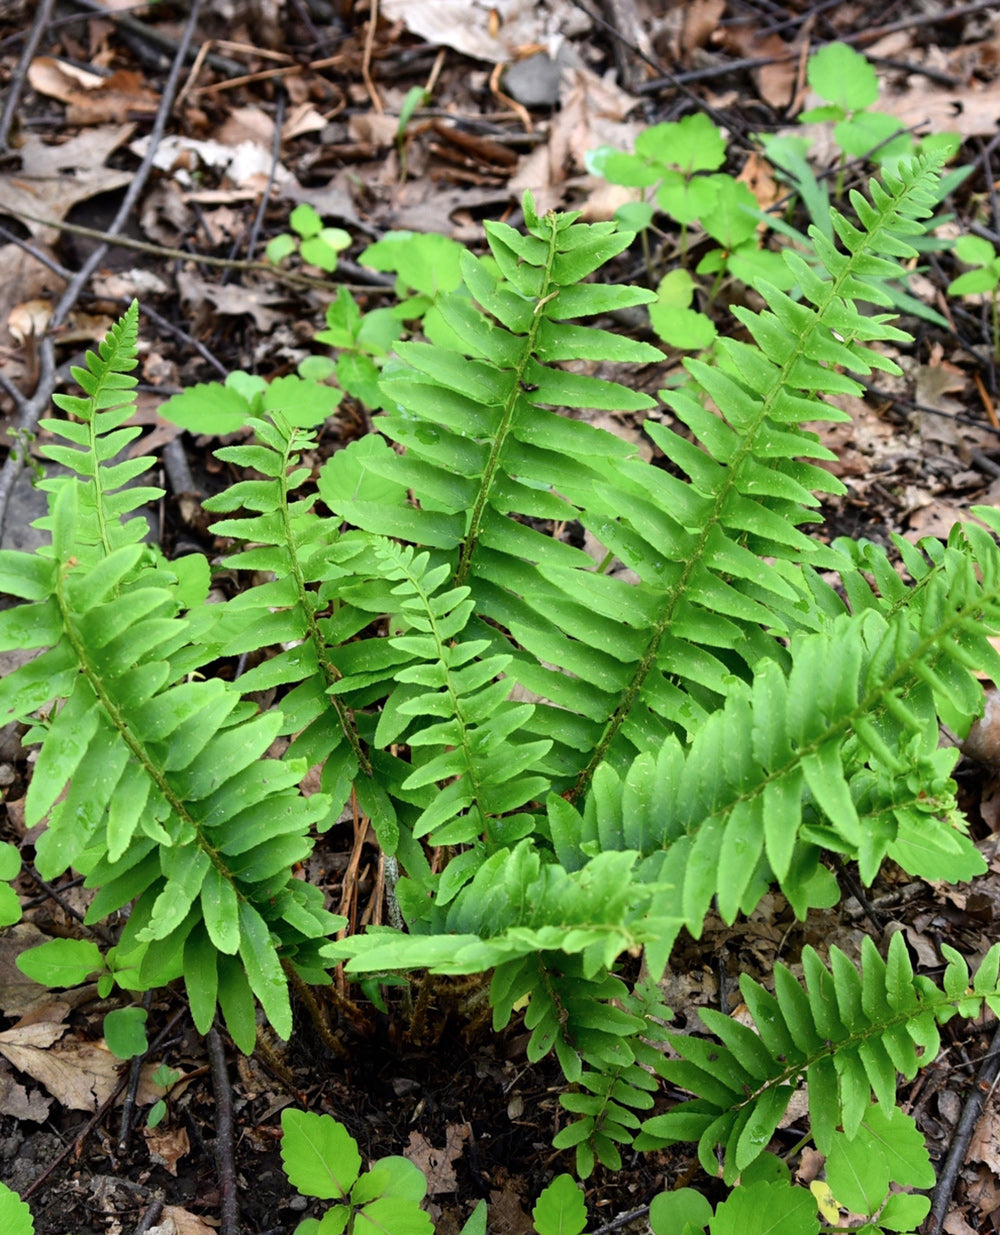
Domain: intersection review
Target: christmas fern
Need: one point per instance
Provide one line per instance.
(845, 1033)
(599, 747)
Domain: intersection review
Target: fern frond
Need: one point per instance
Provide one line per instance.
(179, 810)
(844, 1032)
(97, 440)
(701, 543)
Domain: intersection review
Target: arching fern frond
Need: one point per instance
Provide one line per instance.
(844, 1032)
(97, 439)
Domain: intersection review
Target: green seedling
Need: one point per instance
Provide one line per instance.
(321, 1159)
(10, 868)
(15, 1216)
(416, 96)
(847, 81)
(977, 252)
(317, 245)
(166, 1078)
(672, 317)
(217, 408)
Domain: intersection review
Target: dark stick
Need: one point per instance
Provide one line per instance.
(157, 38)
(279, 121)
(229, 1213)
(149, 1218)
(134, 1076)
(32, 411)
(985, 1080)
(39, 25)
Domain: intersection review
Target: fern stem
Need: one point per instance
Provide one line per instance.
(330, 671)
(500, 437)
(782, 379)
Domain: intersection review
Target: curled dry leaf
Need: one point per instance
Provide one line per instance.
(90, 98)
(29, 319)
(983, 742)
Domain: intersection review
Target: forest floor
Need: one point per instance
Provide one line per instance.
(262, 104)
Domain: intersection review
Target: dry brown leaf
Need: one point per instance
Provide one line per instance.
(52, 179)
(592, 113)
(90, 98)
(60, 80)
(177, 1221)
(16, 1101)
(19, 993)
(230, 300)
(167, 1146)
(970, 112)
(80, 1075)
(439, 1164)
(247, 124)
(29, 318)
(955, 1224)
(701, 20)
(492, 30)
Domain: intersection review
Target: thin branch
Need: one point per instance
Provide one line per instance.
(229, 1214)
(32, 410)
(149, 1218)
(38, 26)
(981, 1087)
(279, 124)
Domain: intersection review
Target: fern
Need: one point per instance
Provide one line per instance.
(846, 1033)
(155, 785)
(99, 440)
(485, 687)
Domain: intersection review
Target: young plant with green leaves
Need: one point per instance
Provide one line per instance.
(983, 278)
(548, 719)
(315, 244)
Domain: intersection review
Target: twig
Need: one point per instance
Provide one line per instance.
(39, 25)
(265, 201)
(145, 309)
(134, 1076)
(158, 38)
(31, 412)
(366, 59)
(149, 1218)
(986, 1078)
(229, 1214)
(622, 1220)
(178, 472)
(112, 241)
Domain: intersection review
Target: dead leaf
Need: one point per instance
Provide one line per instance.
(230, 300)
(492, 30)
(16, 1101)
(53, 178)
(439, 1164)
(167, 1146)
(80, 1075)
(177, 1221)
(970, 112)
(246, 162)
(30, 318)
(776, 82)
(19, 993)
(701, 20)
(90, 98)
(592, 113)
